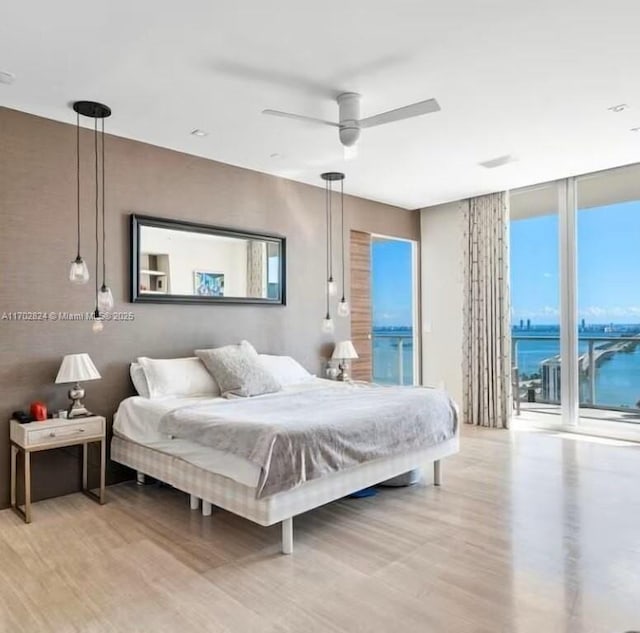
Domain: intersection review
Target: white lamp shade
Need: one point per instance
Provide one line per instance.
(77, 368)
(344, 350)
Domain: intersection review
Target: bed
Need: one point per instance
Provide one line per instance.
(207, 446)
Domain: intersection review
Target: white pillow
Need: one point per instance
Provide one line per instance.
(238, 370)
(178, 377)
(139, 380)
(286, 370)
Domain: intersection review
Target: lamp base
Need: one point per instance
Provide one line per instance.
(77, 409)
(343, 374)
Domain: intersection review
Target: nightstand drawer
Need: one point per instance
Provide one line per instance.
(88, 428)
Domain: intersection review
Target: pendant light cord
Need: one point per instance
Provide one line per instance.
(104, 264)
(326, 203)
(342, 230)
(78, 179)
(95, 145)
(330, 231)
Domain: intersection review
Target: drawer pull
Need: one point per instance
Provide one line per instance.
(53, 433)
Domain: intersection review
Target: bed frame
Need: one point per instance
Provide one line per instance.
(213, 489)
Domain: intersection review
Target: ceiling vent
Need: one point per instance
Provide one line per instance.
(497, 162)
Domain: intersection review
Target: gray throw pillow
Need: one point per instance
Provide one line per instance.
(238, 371)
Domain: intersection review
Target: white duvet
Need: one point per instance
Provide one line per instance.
(298, 435)
(137, 420)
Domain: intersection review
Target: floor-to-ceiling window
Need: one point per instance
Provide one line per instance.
(608, 273)
(575, 286)
(393, 310)
(535, 297)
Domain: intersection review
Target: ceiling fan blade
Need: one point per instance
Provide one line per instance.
(299, 117)
(406, 112)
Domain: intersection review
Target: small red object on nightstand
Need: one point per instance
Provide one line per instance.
(38, 411)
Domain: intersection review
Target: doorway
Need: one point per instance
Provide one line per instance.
(384, 309)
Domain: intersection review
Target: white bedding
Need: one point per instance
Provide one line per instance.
(137, 420)
(140, 419)
(307, 433)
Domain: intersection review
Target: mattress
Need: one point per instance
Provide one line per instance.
(137, 420)
(241, 500)
(305, 432)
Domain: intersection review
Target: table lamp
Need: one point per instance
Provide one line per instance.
(343, 352)
(76, 368)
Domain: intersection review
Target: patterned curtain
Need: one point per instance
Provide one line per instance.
(487, 335)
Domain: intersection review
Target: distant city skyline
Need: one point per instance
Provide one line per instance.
(608, 267)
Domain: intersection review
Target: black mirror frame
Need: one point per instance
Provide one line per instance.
(138, 221)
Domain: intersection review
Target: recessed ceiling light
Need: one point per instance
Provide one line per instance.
(620, 107)
(498, 162)
(6, 77)
(198, 132)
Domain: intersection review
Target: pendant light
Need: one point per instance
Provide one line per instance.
(103, 295)
(98, 325)
(79, 271)
(327, 322)
(331, 287)
(344, 309)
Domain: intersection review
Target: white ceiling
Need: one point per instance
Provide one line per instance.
(531, 79)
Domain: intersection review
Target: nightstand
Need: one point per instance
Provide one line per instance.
(55, 433)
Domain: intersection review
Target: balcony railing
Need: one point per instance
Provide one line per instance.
(393, 357)
(607, 378)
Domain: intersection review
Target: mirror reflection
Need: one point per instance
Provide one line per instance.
(208, 266)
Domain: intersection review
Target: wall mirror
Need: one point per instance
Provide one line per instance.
(182, 262)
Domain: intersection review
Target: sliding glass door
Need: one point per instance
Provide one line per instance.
(535, 299)
(608, 228)
(575, 289)
(393, 307)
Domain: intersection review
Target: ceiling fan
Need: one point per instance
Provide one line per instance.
(349, 121)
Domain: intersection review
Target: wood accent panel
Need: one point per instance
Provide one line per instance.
(360, 242)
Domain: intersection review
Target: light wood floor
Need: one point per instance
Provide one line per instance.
(530, 533)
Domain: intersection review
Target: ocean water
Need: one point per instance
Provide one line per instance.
(386, 363)
(617, 377)
(618, 380)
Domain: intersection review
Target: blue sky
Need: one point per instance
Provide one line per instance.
(608, 266)
(391, 283)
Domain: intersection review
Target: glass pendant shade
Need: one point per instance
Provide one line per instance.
(344, 309)
(98, 324)
(105, 299)
(79, 272)
(332, 287)
(327, 325)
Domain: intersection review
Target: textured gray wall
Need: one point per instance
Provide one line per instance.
(37, 233)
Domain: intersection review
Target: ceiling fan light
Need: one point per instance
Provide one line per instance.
(349, 135)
